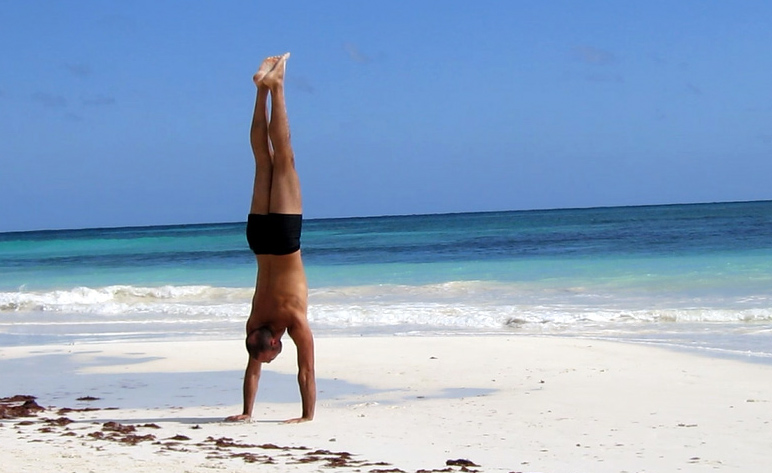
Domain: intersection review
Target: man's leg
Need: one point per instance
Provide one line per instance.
(261, 148)
(285, 186)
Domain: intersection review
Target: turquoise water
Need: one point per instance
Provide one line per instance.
(688, 275)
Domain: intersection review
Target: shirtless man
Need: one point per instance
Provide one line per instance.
(273, 233)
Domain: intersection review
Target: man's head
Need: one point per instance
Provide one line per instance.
(262, 346)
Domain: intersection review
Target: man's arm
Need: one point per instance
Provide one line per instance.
(304, 341)
(251, 378)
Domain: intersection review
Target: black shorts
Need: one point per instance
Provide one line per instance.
(274, 234)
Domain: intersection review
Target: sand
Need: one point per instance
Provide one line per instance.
(491, 403)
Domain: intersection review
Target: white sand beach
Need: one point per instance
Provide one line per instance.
(494, 403)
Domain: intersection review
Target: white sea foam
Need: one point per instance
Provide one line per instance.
(164, 312)
(462, 305)
(121, 299)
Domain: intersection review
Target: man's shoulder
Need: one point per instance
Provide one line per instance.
(298, 323)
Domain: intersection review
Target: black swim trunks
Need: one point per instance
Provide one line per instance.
(274, 234)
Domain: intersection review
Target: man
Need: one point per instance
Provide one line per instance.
(273, 232)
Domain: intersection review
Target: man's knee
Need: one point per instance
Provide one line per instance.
(284, 162)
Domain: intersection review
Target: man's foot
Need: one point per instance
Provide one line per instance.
(275, 77)
(268, 64)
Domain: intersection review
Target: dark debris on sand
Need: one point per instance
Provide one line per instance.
(67, 410)
(117, 432)
(60, 422)
(87, 398)
(117, 427)
(24, 409)
(19, 406)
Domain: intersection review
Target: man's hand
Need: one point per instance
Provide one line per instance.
(239, 418)
(298, 420)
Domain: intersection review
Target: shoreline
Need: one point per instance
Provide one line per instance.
(504, 403)
(747, 347)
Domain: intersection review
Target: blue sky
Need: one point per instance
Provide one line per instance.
(116, 113)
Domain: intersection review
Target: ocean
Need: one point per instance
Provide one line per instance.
(695, 277)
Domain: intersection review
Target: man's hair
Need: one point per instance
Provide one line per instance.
(259, 341)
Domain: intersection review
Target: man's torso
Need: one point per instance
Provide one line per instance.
(281, 298)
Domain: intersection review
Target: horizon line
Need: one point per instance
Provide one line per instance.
(551, 209)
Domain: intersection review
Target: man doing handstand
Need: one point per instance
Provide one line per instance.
(280, 301)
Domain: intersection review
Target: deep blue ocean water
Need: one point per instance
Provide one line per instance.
(695, 276)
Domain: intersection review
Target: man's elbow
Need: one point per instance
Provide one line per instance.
(306, 375)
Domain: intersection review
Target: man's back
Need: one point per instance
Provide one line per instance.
(281, 299)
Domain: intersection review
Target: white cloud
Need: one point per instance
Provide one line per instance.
(49, 100)
(355, 54)
(79, 70)
(693, 89)
(301, 83)
(98, 100)
(591, 55)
